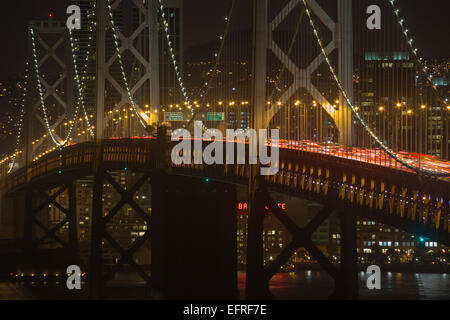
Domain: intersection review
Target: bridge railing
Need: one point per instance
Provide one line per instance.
(122, 153)
(129, 152)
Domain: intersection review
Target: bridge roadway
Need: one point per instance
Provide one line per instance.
(389, 195)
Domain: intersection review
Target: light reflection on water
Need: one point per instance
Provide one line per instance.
(319, 285)
(302, 285)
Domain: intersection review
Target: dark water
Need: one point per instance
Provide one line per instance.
(306, 285)
(302, 285)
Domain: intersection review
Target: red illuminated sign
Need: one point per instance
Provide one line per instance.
(243, 207)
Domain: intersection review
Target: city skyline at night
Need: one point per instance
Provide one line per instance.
(234, 151)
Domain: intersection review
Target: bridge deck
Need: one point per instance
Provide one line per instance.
(382, 192)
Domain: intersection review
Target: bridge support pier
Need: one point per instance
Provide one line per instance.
(257, 287)
(193, 251)
(346, 286)
(73, 221)
(41, 229)
(28, 223)
(344, 117)
(256, 284)
(95, 265)
(258, 276)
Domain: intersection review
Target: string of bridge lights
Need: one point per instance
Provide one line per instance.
(172, 57)
(217, 55)
(80, 94)
(349, 102)
(80, 85)
(80, 98)
(414, 50)
(41, 95)
(22, 113)
(122, 69)
(277, 81)
(341, 88)
(9, 157)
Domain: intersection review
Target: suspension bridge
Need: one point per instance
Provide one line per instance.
(363, 128)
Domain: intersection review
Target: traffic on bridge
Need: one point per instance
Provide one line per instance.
(133, 131)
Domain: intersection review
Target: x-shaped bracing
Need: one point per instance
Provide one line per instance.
(126, 197)
(127, 44)
(51, 199)
(302, 77)
(301, 238)
(50, 90)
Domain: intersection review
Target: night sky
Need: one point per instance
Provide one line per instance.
(428, 21)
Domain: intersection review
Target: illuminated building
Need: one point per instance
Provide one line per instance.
(438, 119)
(377, 94)
(275, 236)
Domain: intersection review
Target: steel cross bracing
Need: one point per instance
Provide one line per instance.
(45, 201)
(150, 71)
(55, 27)
(341, 39)
(100, 232)
(302, 77)
(345, 280)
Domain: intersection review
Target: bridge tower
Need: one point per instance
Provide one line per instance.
(52, 53)
(257, 281)
(134, 26)
(342, 40)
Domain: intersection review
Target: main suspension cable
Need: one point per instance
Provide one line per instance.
(122, 69)
(349, 102)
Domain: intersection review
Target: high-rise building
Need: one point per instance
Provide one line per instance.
(399, 104)
(438, 118)
(385, 95)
